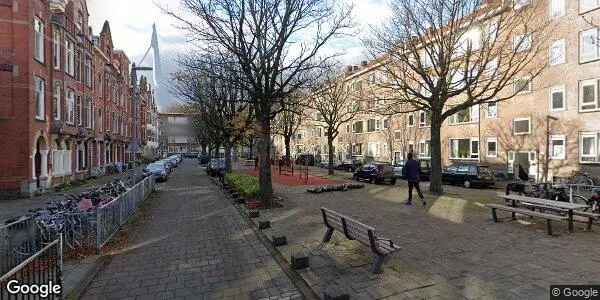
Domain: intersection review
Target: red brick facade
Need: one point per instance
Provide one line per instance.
(66, 109)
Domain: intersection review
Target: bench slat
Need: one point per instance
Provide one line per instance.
(527, 212)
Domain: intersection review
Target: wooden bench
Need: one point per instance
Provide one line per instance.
(515, 210)
(355, 230)
(589, 217)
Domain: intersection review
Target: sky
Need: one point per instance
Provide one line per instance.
(131, 28)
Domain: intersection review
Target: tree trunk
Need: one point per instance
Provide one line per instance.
(330, 146)
(435, 185)
(264, 160)
(287, 140)
(227, 158)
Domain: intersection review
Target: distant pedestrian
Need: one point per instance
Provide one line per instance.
(412, 173)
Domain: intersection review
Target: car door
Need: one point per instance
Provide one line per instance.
(461, 174)
(448, 176)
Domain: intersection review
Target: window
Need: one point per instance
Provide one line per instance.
(79, 111)
(588, 45)
(357, 149)
(56, 103)
(589, 147)
(425, 149)
(587, 5)
(40, 105)
(87, 75)
(522, 85)
(424, 119)
(348, 128)
(38, 27)
(588, 95)
(522, 42)
(411, 120)
(358, 127)
(557, 8)
(492, 110)
(378, 124)
(468, 115)
(464, 148)
(557, 53)
(88, 112)
(492, 147)
(557, 147)
(371, 125)
(557, 98)
(56, 49)
(522, 126)
(70, 106)
(517, 4)
(386, 123)
(70, 57)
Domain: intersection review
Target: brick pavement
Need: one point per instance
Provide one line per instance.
(193, 245)
(451, 248)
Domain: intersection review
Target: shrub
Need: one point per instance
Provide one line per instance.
(245, 184)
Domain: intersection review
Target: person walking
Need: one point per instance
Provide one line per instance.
(412, 173)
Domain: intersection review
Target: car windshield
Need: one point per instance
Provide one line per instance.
(155, 167)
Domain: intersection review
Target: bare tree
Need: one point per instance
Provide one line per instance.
(335, 104)
(444, 56)
(276, 45)
(287, 122)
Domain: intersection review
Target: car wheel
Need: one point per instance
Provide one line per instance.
(467, 184)
(371, 180)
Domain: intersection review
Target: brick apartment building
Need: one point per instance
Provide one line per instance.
(66, 109)
(561, 106)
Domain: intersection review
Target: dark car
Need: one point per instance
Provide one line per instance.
(469, 175)
(158, 170)
(305, 160)
(425, 169)
(203, 159)
(376, 173)
(215, 167)
(350, 165)
(398, 167)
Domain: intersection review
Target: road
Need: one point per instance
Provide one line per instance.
(191, 243)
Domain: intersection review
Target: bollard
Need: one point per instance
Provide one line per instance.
(264, 225)
(278, 240)
(299, 261)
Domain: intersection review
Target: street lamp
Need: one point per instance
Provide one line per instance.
(547, 164)
(134, 146)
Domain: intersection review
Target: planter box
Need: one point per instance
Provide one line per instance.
(254, 205)
(299, 261)
(278, 240)
(264, 225)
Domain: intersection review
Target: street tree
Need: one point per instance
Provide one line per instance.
(287, 122)
(445, 56)
(335, 104)
(276, 45)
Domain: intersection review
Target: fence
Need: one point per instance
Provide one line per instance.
(19, 240)
(110, 217)
(43, 268)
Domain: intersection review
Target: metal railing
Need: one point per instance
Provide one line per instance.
(18, 241)
(43, 268)
(111, 216)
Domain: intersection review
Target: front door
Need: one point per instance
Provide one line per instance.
(527, 160)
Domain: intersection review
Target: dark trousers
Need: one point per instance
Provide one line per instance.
(415, 185)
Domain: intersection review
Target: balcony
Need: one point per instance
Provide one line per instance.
(58, 6)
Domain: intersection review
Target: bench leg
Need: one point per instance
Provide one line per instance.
(571, 221)
(589, 224)
(328, 235)
(514, 215)
(549, 226)
(494, 215)
(376, 268)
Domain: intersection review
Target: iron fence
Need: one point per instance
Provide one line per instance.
(111, 216)
(37, 277)
(19, 240)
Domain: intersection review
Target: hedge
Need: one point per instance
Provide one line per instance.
(245, 184)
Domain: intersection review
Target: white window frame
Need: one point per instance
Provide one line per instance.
(562, 138)
(362, 127)
(423, 116)
(472, 155)
(558, 89)
(593, 6)
(490, 116)
(40, 98)
(411, 120)
(518, 4)
(487, 147)
(596, 102)
(555, 59)
(39, 50)
(424, 149)
(592, 34)
(529, 85)
(557, 8)
(521, 119)
(57, 100)
(56, 48)
(79, 110)
(69, 57)
(593, 155)
(522, 42)
(70, 98)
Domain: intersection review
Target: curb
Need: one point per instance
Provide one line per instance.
(87, 279)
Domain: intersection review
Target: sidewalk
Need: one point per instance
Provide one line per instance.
(191, 243)
(18, 207)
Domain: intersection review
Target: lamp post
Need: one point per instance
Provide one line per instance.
(547, 163)
(134, 146)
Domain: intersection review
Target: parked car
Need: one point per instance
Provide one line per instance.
(469, 175)
(305, 160)
(425, 165)
(158, 170)
(350, 165)
(215, 167)
(325, 163)
(376, 173)
(167, 163)
(398, 167)
(203, 159)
